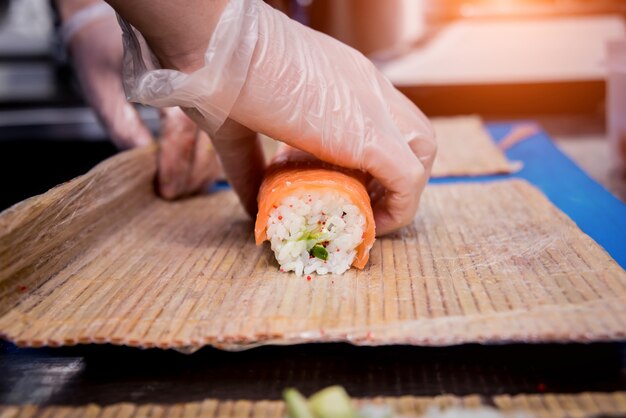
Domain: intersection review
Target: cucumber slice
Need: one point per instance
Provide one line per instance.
(332, 402)
(297, 406)
(319, 251)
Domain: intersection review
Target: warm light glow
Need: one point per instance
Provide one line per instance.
(511, 7)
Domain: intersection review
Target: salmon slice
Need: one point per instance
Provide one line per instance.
(293, 170)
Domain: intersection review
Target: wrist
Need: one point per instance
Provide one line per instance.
(80, 14)
(178, 36)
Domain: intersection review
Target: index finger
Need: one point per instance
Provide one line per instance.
(404, 177)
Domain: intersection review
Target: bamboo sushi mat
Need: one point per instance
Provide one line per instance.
(541, 406)
(465, 148)
(101, 259)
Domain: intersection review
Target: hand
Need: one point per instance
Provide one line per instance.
(96, 54)
(333, 103)
(275, 76)
(187, 162)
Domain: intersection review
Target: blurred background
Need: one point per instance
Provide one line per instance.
(542, 60)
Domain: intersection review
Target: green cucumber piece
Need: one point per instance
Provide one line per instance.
(332, 402)
(297, 406)
(320, 252)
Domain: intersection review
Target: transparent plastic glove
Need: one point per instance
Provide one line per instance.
(277, 77)
(187, 161)
(96, 54)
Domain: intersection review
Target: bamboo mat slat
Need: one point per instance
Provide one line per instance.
(466, 149)
(584, 405)
(101, 259)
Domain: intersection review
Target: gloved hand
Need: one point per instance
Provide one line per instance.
(277, 77)
(187, 162)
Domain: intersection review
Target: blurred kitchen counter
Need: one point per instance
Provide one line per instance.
(550, 65)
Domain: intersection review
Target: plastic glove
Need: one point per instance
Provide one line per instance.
(277, 77)
(96, 54)
(187, 162)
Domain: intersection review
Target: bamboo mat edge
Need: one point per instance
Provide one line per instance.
(548, 405)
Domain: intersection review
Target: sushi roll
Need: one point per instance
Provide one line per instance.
(317, 217)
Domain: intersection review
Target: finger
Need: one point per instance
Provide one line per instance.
(242, 159)
(125, 127)
(411, 122)
(206, 167)
(176, 152)
(425, 149)
(376, 191)
(403, 172)
(403, 176)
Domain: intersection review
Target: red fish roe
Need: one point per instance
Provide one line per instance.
(308, 278)
(280, 218)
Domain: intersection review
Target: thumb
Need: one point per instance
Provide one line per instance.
(243, 162)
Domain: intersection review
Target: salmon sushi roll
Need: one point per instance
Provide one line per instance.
(317, 217)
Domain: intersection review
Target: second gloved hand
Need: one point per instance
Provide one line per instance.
(187, 162)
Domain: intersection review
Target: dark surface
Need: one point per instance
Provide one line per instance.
(108, 374)
(28, 168)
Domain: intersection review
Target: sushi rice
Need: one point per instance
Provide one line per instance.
(321, 222)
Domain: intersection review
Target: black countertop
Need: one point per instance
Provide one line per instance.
(109, 374)
(31, 167)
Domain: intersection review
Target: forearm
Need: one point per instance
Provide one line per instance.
(178, 32)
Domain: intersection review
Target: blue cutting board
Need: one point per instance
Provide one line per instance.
(596, 211)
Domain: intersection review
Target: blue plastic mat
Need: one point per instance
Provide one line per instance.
(596, 211)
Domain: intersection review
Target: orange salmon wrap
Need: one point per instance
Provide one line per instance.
(292, 172)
